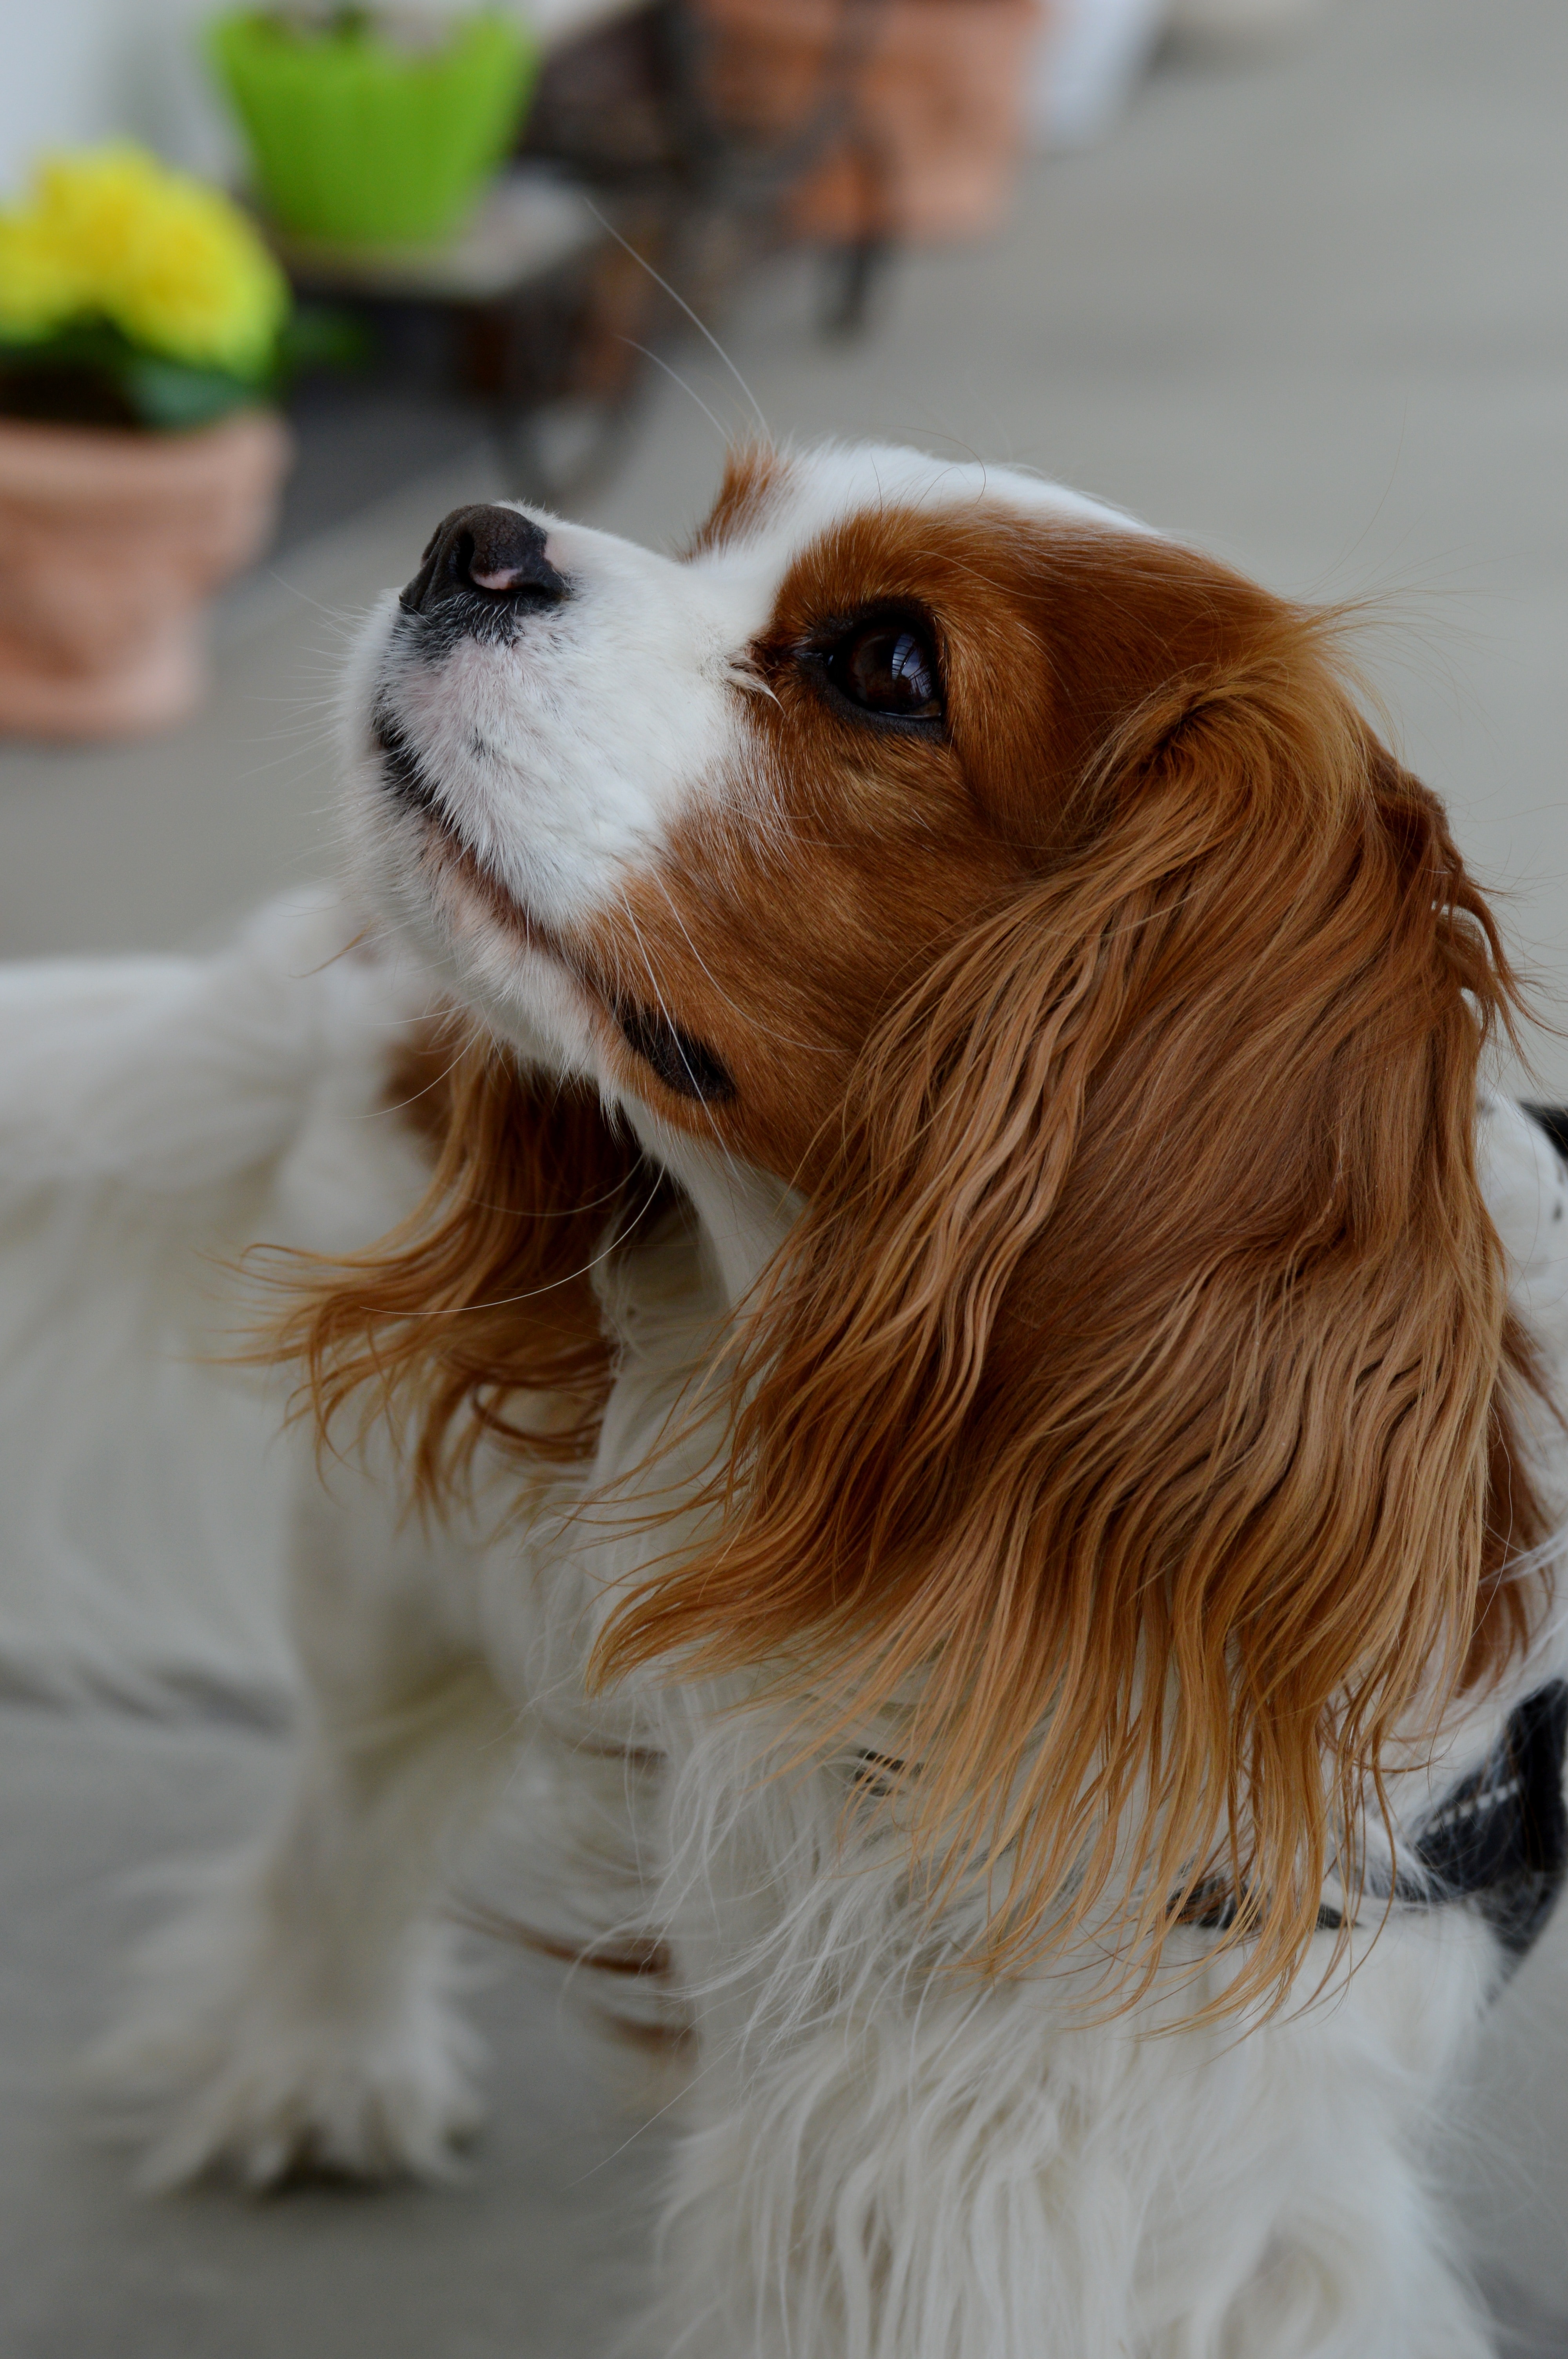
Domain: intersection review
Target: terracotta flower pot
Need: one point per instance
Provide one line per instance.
(110, 541)
(934, 111)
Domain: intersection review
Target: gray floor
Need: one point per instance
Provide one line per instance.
(1309, 310)
(533, 2258)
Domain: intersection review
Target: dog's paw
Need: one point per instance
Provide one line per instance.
(278, 2106)
(231, 2063)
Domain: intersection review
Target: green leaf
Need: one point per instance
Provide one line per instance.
(90, 371)
(172, 396)
(323, 335)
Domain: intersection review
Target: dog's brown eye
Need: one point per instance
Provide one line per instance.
(887, 668)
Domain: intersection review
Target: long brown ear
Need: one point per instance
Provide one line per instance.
(479, 1317)
(1119, 1420)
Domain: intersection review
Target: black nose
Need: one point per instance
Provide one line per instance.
(492, 550)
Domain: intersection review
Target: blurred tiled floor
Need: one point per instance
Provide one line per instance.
(1312, 310)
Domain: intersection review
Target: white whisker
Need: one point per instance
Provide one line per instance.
(680, 299)
(676, 378)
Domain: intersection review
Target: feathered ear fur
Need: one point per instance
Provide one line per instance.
(479, 1316)
(1129, 1414)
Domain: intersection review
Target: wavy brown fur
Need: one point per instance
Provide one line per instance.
(483, 1301)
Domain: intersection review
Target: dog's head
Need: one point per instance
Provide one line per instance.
(1063, 1011)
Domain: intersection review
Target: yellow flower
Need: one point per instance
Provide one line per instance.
(39, 290)
(171, 262)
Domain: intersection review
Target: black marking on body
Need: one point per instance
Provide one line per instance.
(1499, 1840)
(1497, 1843)
(878, 1774)
(1553, 1121)
(1213, 1908)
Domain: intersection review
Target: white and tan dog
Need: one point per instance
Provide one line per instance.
(978, 1383)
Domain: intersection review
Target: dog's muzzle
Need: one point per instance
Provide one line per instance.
(483, 566)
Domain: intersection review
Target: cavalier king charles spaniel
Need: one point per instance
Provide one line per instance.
(962, 1419)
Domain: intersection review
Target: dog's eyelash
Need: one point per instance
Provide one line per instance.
(684, 1063)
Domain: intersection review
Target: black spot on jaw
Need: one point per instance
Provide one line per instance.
(400, 763)
(686, 1065)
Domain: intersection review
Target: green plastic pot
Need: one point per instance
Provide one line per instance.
(357, 142)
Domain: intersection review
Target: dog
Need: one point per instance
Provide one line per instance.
(963, 1361)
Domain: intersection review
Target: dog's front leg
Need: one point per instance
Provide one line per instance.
(299, 2013)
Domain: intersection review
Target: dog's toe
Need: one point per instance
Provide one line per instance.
(371, 2111)
(241, 2058)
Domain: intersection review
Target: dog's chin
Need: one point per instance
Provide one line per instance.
(463, 889)
(483, 950)
(415, 840)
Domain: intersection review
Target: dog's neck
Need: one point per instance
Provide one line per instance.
(744, 1215)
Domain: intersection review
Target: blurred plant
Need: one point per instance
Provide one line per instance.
(133, 295)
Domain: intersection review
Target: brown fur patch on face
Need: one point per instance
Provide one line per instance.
(783, 921)
(755, 477)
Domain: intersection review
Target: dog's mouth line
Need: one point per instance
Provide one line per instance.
(402, 767)
(403, 774)
(687, 1067)
(457, 861)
